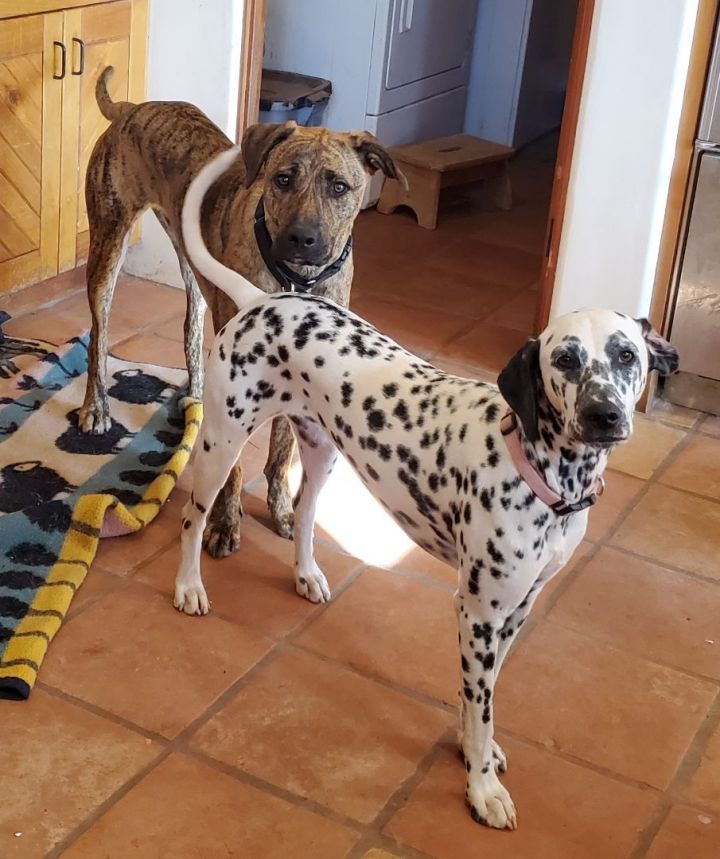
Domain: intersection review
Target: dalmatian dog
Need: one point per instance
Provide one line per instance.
(496, 481)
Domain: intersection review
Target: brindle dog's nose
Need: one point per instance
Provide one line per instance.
(301, 239)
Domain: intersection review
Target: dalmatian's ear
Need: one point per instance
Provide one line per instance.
(662, 355)
(257, 143)
(518, 383)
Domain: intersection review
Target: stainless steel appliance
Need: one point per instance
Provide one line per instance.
(695, 327)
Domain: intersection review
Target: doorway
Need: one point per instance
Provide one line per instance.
(468, 294)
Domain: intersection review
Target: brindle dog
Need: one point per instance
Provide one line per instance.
(311, 181)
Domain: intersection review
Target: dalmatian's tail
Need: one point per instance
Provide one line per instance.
(234, 285)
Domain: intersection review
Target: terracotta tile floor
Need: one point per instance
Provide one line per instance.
(274, 728)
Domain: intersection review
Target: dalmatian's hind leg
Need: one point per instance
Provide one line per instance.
(318, 455)
(218, 447)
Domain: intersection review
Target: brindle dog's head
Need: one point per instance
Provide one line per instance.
(590, 366)
(313, 184)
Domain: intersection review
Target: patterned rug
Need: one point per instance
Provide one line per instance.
(62, 490)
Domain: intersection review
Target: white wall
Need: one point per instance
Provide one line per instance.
(624, 149)
(193, 55)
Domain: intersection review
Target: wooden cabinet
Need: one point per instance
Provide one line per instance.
(49, 122)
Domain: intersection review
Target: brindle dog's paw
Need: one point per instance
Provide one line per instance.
(221, 541)
(285, 525)
(95, 418)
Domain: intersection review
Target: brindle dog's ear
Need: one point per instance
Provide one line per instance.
(257, 142)
(375, 156)
(518, 383)
(662, 356)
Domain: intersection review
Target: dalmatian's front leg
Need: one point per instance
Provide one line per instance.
(479, 635)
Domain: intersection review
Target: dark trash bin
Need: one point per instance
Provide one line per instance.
(287, 95)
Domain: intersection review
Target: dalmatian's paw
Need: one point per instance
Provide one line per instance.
(499, 758)
(489, 802)
(312, 584)
(191, 599)
(94, 418)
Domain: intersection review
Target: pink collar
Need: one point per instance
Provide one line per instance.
(511, 432)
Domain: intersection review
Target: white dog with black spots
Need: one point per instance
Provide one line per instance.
(494, 480)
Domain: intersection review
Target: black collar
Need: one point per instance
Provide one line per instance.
(289, 280)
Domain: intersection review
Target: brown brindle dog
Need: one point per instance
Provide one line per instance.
(310, 184)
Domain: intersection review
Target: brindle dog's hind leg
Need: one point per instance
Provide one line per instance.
(194, 316)
(105, 257)
(222, 532)
(282, 445)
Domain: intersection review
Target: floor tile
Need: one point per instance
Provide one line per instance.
(519, 313)
(417, 329)
(636, 606)
(687, 833)
(564, 810)
(377, 853)
(185, 809)
(548, 592)
(323, 732)
(710, 424)
(60, 763)
(637, 721)
(44, 293)
(674, 528)
(254, 587)
(620, 490)
(419, 561)
(49, 325)
(392, 627)
(703, 788)
(97, 584)
(121, 555)
(697, 468)
(133, 654)
(648, 446)
(505, 265)
(485, 345)
(672, 414)
(151, 349)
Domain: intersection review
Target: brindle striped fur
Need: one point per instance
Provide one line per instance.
(146, 160)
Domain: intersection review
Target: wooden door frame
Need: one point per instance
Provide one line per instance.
(566, 146)
(249, 101)
(251, 62)
(665, 274)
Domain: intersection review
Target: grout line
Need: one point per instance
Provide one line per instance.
(673, 793)
(261, 784)
(105, 806)
(374, 831)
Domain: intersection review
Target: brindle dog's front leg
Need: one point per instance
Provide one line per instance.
(277, 468)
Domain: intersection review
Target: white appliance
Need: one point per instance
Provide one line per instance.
(399, 68)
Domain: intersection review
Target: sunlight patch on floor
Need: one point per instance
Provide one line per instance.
(349, 513)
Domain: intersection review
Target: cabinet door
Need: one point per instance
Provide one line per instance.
(30, 121)
(111, 34)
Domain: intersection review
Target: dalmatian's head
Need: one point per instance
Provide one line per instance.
(591, 366)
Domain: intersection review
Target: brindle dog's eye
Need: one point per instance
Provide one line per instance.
(626, 357)
(282, 180)
(565, 362)
(339, 188)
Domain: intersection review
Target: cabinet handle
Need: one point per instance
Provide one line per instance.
(63, 58)
(79, 42)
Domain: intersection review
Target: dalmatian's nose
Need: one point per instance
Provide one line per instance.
(603, 416)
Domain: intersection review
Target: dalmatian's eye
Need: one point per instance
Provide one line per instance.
(282, 180)
(339, 188)
(566, 362)
(626, 357)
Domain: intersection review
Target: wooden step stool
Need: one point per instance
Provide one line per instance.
(443, 163)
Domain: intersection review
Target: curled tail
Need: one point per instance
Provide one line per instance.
(110, 109)
(234, 285)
